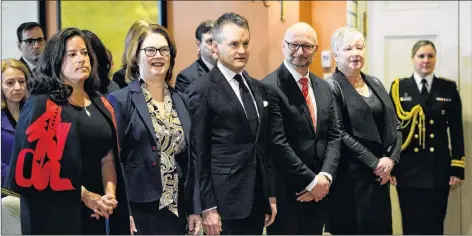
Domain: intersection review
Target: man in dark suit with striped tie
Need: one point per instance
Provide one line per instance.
(229, 134)
(305, 136)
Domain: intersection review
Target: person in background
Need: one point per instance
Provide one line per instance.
(104, 63)
(15, 75)
(305, 145)
(429, 168)
(206, 58)
(154, 135)
(230, 135)
(371, 140)
(65, 159)
(31, 42)
(119, 76)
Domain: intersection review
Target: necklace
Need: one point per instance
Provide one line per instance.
(85, 108)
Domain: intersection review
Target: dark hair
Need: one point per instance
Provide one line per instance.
(47, 79)
(228, 18)
(103, 61)
(203, 28)
(135, 45)
(135, 27)
(27, 26)
(420, 44)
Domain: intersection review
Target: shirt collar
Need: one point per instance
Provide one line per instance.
(418, 78)
(227, 73)
(207, 64)
(297, 76)
(29, 64)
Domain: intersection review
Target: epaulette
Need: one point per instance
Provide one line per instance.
(448, 80)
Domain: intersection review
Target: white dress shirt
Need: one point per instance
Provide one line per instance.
(208, 64)
(297, 76)
(30, 65)
(429, 81)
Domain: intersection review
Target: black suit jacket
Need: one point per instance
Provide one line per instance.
(431, 167)
(190, 74)
(119, 77)
(227, 153)
(362, 144)
(298, 151)
(27, 66)
(139, 149)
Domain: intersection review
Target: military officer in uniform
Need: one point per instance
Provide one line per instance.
(427, 106)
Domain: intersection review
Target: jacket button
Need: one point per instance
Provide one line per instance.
(431, 122)
(416, 150)
(431, 135)
(431, 149)
(416, 136)
(154, 163)
(153, 148)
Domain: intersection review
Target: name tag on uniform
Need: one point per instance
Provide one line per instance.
(441, 99)
(405, 99)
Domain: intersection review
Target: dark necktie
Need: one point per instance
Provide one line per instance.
(248, 104)
(424, 90)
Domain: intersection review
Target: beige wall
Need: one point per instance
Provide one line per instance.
(267, 29)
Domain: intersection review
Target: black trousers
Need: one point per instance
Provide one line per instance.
(254, 223)
(306, 218)
(423, 210)
(360, 206)
(150, 220)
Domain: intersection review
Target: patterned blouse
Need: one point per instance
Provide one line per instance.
(170, 137)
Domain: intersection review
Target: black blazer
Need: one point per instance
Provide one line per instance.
(227, 153)
(27, 66)
(298, 152)
(432, 166)
(190, 74)
(362, 145)
(139, 150)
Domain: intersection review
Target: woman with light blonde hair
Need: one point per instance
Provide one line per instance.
(371, 141)
(15, 75)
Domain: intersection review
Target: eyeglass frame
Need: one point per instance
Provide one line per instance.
(300, 45)
(40, 41)
(157, 49)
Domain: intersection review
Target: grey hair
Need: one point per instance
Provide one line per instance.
(228, 18)
(338, 38)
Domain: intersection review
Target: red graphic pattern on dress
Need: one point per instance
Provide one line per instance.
(50, 142)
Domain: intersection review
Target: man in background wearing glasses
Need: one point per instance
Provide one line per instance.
(305, 136)
(31, 43)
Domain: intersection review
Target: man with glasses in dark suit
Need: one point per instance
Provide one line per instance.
(31, 43)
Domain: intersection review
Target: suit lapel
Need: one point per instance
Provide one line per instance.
(225, 89)
(389, 118)
(294, 94)
(137, 97)
(6, 125)
(361, 117)
(318, 100)
(183, 114)
(202, 68)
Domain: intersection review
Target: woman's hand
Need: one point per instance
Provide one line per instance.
(384, 167)
(101, 205)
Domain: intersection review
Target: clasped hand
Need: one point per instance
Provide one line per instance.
(318, 192)
(384, 167)
(102, 206)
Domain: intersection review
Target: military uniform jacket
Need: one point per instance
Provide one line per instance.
(432, 165)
